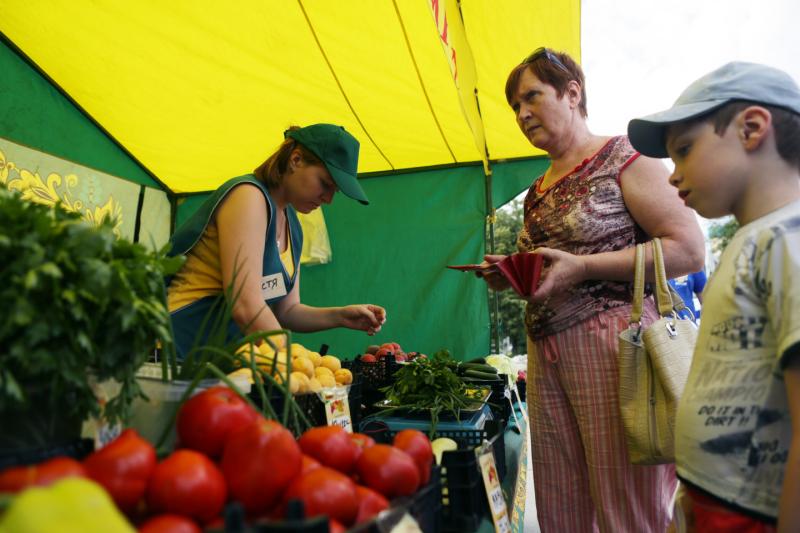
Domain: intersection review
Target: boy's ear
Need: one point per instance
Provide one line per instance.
(754, 125)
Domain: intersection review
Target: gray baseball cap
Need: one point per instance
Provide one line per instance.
(751, 82)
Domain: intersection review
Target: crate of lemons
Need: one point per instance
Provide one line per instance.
(309, 371)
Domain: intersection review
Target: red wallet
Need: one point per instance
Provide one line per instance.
(522, 270)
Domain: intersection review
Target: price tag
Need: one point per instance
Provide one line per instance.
(337, 408)
(97, 427)
(491, 482)
(105, 433)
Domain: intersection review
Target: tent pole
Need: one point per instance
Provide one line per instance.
(494, 299)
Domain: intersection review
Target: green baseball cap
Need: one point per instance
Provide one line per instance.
(338, 150)
(734, 81)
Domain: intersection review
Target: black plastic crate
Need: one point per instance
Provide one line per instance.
(464, 507)
(313, 407)
(236, 522)
(77, 449)
(498, 402)
(377, 375)
(466, 439)
(374, 377)
(465, 455)
(521, 389)
(464, 503)
(426, 505)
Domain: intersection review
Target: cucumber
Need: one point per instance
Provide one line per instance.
(489, 369)
(477, 360)
(476, 374)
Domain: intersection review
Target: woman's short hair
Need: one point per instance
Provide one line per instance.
(271, 171)
(556, 69)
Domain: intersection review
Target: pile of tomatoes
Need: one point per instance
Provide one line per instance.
(228, 451)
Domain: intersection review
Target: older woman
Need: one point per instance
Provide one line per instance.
(585, 214)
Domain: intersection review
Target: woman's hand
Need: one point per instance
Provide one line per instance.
(563, 272)
(365, 317)
(493, 278)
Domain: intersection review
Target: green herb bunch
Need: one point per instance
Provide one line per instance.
(430, 384)
(80, 306)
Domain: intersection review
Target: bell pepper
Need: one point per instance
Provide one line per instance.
(72, 505)
(123, 467)
(17, 478)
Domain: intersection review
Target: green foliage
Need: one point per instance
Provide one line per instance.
(80, 305)
(431, 385)
(721, 232)
(512, 307)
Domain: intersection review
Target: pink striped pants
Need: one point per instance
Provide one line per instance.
(582, 477)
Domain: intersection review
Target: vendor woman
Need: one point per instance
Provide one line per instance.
(246, 235)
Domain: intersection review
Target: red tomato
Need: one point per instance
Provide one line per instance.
(335, 527)
(325, 491)
(308, 464)
(123, 467)
(389, 470)
(207, 418)
(370, 503)
(189, 484)
(259, 462)
(392, 347)
(169, 523)
(416, 444)
(16, 478)
(362, 442)
(368, 358)
(331, 446)
(383, 352)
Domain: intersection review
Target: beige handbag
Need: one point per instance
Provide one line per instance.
(653, 365)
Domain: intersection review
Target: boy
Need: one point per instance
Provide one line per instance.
(734, 136)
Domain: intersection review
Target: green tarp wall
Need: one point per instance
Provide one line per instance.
(392, 253)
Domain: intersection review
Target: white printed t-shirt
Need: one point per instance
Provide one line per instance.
(733, 428)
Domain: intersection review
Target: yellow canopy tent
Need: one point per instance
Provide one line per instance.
(195, 92)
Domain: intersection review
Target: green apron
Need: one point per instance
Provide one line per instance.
(187, 321)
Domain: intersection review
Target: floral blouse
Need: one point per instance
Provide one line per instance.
(582, 213)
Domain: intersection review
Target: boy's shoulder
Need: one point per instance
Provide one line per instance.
(783, 223)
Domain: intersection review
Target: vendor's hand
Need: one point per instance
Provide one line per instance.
(564, 271)
(365, 317)
(493, 278)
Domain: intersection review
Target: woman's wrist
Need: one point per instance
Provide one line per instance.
(585, 268)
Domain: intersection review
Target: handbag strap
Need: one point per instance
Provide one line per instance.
(638, 285)
(662, 292)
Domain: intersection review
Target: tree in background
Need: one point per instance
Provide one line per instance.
(511, 306)
(720, 234)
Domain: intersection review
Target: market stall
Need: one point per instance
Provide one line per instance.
(126, 117)
(141, 110)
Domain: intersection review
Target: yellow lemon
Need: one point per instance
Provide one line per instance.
(314, 385)
(298, 383)
(315, 357)
(323, 371)
(332, 362)
(298, 349)
(241, 372)
(326, 381)
(266, 349)
(301, 364)
(343, 376)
